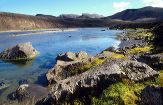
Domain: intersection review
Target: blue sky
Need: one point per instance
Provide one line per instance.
(56, 7)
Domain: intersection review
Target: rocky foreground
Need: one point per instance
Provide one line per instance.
(128, 75)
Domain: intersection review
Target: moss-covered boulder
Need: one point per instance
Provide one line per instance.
(22, 51)
(96, 78)
(69, 64)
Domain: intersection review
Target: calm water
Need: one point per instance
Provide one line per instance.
(91, 40)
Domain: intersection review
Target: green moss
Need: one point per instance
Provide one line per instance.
(81, 69)
(159, 79)
(114, 55)
(125, 92)
(139, 50)
(120, 94)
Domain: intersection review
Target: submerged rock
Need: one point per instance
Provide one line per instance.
(152, 95)
(3, 85)
(25, 92)
(66, 64)
(108, 72)
(21, 51)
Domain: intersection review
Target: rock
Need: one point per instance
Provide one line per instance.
(111, 49)
(152, 95)
(104, 54)
(68, 56)
(108, 72)
(25, 92)
(24, 81)
(129, 44)
(82, 55)
(66, 63)
(18, 52)
(154, 60)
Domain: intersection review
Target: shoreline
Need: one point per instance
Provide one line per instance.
(39, 31)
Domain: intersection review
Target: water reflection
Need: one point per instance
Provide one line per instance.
(20, 63)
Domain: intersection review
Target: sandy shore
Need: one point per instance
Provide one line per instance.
(41, 31)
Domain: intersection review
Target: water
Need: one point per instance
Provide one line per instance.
(91, 40)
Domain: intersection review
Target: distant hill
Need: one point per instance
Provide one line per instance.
(12, 21)
(140, 15)
(130, 18)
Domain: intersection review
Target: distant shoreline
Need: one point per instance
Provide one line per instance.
(39, 31)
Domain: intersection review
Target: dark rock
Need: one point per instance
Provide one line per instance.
(110, 70)
(152, 95)
(18, 52)
(154, 60)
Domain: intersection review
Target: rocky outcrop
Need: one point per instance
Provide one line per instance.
(152, 95)
(23, 51)
(108, 72)
(66, 64)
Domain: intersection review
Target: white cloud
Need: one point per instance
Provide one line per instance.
(154, 3)
(120, 6)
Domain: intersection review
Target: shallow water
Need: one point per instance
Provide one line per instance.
(91, 40)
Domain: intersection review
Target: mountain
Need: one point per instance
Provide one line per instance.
(140, 15)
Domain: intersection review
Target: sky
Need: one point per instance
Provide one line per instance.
(57, 7)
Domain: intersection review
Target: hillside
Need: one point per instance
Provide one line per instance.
(11, 21)
(140, 15)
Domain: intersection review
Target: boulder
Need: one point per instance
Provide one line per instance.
(21, 51)
(152, 95)
(104, 74)
(66, 63)
(70, 56)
